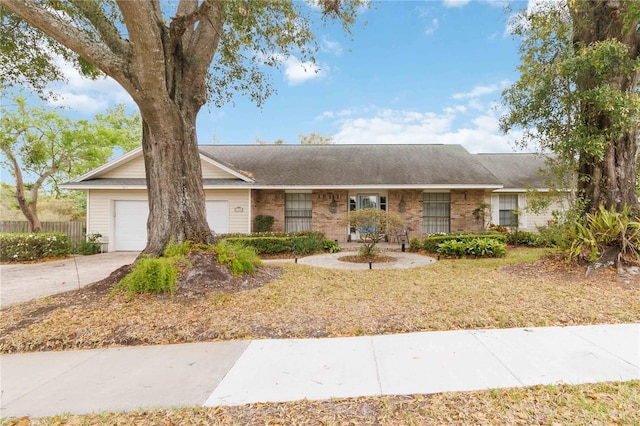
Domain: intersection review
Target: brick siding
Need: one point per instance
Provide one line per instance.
(322, 218)
(269, 202)
(463, 202)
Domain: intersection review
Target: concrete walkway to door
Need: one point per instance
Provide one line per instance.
(22, 282)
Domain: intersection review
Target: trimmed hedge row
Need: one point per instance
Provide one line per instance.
(431, 243)
(18, 247)
(276, 245)
(316, 234)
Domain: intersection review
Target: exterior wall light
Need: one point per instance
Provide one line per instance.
(401, 206)
(333, 206)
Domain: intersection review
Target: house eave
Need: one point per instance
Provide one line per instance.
(387, 186)
(495, 188)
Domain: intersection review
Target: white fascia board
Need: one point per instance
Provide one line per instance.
(110, 165)
(86, 187)
(225, 168)
(522, 190)
(495, 188)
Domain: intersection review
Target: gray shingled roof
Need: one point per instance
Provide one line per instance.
(351, 165)
(517, 170)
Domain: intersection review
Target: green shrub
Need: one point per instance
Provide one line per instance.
(452, 248)
(18, 247)
(264, 245)
(476, 247)
(522, 238)
(307, 245)
(177, 250)
(221, 237)
(262, 223)
(91, 245)
(151, 275)
(238, 258)
(603, 229)
(415, 244)
(274, 245)
(330, 246)
(486, 247)
(431, 243)
(552, 236)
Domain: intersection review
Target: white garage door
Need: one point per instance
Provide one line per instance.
(218, 216)
(130, 225)
(131, 222)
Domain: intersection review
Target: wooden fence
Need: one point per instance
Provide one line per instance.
(75, 230)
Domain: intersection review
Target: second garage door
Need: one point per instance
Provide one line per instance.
(218, 216)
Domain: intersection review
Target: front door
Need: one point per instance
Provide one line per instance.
(365, 201)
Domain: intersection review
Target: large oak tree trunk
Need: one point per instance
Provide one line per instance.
(611, 180)
(174, 180)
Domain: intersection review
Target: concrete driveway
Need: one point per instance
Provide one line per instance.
(22, 282)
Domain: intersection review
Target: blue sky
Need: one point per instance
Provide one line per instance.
(416, 72)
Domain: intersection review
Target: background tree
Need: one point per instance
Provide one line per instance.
(162, 54)
(315, 139)
(577, 95)
(40, 147)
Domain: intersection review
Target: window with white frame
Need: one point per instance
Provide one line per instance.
(507, 204)
(436, 213)
(297, 216)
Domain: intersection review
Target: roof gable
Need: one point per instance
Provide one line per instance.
(131, 166)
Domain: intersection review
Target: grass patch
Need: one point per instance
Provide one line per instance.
(314, 302)
(150, 275)
(590, 404)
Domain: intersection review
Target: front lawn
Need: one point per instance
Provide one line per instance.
(515, 291)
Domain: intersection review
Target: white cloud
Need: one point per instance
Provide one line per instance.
(385, 126)
(336, 114)
(480, 91)
(297, 72)
(455, 3)
(476, 92)
(87, 96)
(331, 46)
(432, 26)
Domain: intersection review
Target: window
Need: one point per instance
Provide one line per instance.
(297, 216)
(508, 203)
(436, 213)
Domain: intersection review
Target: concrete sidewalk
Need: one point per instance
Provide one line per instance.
(239, 372)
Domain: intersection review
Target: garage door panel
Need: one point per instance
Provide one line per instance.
(218, 216)
(130, 225)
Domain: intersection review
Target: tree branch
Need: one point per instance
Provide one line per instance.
(186, 16)
(69, 36)
(203, 45)
(91, 10)
(143, 20)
